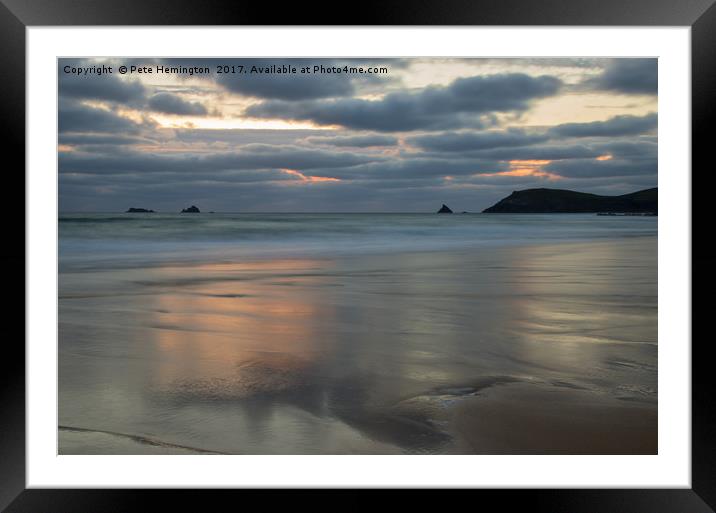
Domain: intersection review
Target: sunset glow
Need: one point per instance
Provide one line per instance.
(208, 123)
(308, 178)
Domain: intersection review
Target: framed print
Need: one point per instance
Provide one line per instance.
(421, 251)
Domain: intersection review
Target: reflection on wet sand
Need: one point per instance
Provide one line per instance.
(595, 327)
(378, 354)
(228, 332)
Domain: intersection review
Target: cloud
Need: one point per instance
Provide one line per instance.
(541, 152)
(417, 167)
(106, 87)
(616, 126)
(633, 149)
(602, 168)
(75, 117)
(240, 136)
(250, 157)
(172, 104)
(357, 141)
(459, 104)
(628, 76)
(548, 144)
(471, 141)
(100, 139)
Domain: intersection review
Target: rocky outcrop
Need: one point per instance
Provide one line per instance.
(547, 201)
(133, 210)
(444, 209)
(191, 210)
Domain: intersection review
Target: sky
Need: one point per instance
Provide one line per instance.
(425, 131)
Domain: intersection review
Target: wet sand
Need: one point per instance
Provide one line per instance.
(540, 349)
(539, 419)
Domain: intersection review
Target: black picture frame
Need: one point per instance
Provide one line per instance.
(17, 15)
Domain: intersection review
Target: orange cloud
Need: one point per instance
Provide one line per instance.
(604, 157)
(526, 171)
(309, 178)
(526, 168)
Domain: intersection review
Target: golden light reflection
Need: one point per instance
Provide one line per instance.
(227, 321)
(604, 157)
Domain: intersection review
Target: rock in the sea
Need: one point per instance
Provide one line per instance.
(191, 210)
(444, 209)
(133, 210)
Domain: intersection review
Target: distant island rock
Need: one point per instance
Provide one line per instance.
(191, 210)
(547, 201)
(133, 210)
(444, 209)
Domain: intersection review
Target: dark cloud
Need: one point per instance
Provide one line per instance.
(253, 156)
(108, 87)
(239, 136)
(602, 168)
(470, 141)
(629, 76)
(541, 144)
(172, 104)
(416, 167)
(75, 117)
(101, 139)
(616, 126)
(641, 148)
(541, 152)
(172, 179)
(356, 141)
(458, 105)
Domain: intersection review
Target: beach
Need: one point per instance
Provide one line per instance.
(357, 334)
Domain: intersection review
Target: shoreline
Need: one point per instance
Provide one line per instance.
(279, 255)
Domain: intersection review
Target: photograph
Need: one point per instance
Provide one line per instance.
(357, 256)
